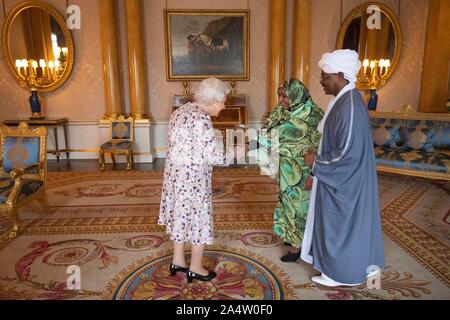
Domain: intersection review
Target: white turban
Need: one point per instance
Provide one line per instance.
(345, 61)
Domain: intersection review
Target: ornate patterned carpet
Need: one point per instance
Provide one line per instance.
(105, 223)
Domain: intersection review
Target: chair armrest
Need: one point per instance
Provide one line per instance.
(16, 175)
(19, 175)
(22, 173)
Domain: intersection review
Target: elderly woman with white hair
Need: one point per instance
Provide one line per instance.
(186, 201)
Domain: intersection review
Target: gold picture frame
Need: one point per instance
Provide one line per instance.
(207, 43)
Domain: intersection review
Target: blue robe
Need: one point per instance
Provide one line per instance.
(347, 236)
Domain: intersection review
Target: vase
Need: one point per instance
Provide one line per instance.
(373, 100)
(35, 106)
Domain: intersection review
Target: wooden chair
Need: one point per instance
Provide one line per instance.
(122, 132)
(23, 168)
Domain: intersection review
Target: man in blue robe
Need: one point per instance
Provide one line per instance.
(343, 238)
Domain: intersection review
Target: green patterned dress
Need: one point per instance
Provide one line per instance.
(297, 132)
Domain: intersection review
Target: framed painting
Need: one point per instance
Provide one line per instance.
(207, 43)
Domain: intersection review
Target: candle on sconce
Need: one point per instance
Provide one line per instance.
(42, 64)
(57, 52)
(34, 64)
(65, 51)
(25, 65)
(381, 66)
(57, 64)
(365, 65)
(50, 69)
(387, 64)
(18, 65)
(372, 67)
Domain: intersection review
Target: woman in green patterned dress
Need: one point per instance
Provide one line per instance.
(296, 118)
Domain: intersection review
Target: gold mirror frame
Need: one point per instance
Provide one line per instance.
(397, 30)
(68, 37)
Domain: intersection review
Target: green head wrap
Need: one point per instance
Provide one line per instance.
(297, 93)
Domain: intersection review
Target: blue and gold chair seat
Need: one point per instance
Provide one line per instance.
(23, 155)
(121, 145)
(122, 131)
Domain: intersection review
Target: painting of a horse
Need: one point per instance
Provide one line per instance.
(201, 44)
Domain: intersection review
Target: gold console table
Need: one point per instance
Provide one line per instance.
(51, 124)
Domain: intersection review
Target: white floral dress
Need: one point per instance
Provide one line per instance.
(186, 200)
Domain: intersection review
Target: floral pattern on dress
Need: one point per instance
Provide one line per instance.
(186, 200)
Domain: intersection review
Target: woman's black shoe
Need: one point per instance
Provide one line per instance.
(192, 275)
(290, 257)
(174, 269)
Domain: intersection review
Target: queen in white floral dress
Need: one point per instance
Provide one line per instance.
(186, 201)
(186, 205)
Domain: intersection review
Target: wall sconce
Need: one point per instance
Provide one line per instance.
(373, 74)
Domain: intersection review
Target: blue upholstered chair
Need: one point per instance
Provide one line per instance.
(22, 170)
(122, 132)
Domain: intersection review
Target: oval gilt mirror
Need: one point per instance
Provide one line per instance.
(38, 46)
(373, 30)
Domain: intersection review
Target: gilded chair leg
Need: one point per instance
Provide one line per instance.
(45, 204)
(102, 160)
(128, 161)
(14, 232)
